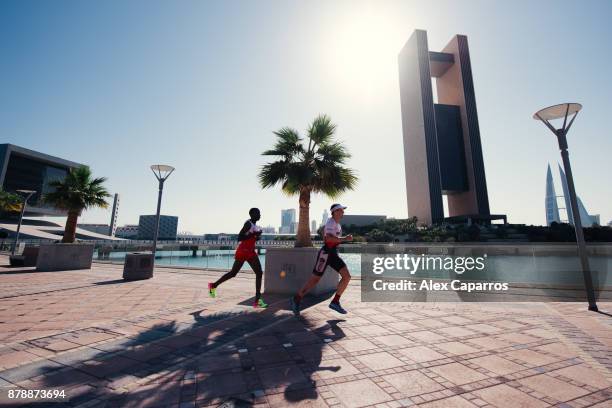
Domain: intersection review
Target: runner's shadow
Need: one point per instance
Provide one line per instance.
(297, 392)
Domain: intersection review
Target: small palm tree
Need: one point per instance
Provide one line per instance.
(9, 202)
(77, 192)
(303, 170)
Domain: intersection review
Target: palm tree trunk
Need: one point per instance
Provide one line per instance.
(71, 225)
(303, 232)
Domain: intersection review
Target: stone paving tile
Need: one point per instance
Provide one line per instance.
(359, 393)
(412, 383)
(356, 345)
(458, 373)
(380, 361)
(456, 402)
(30, 370)
(421, 354)
(583, 374)
(497, 364)
(552, 387)
(456, 348)
(530, 357)
(503, 396)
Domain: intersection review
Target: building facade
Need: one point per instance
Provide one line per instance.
(112, 228)
(97, 228)
(442, 147)
(24, 169)
(127, 232)
(552, 208)
(168, 227)
(287, 221)
(362, 220)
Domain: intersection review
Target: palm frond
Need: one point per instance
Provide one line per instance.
(78, 191)
(333, 152)
(321, 130)
(288, 144)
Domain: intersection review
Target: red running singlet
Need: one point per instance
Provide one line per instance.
(246, 247)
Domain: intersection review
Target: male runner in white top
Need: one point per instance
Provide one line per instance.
(328, 256)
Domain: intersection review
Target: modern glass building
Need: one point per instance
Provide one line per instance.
(287, 221)
(552, 208)
(24, 169)
(168, 226)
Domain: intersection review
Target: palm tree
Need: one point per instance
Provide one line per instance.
(9, 202)
(303, 170)
(77, 192)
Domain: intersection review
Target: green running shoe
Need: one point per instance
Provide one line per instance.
(212, 291)
(260, 303)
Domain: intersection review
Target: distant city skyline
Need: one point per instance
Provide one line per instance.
(102, 83)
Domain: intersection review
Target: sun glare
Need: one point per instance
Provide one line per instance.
(362, 50)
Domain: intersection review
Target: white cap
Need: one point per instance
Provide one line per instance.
(335, 207)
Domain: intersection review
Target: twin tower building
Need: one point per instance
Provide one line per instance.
(442, 148)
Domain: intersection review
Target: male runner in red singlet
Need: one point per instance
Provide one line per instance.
(245, 253)
(328, 255)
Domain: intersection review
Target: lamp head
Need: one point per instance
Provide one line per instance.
(162, 171)
(557, 111)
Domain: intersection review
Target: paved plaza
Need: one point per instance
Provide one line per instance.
(164, 342)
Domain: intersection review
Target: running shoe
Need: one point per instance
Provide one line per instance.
(295, 307)
(336, 306)
(260, 304)
(212, 291)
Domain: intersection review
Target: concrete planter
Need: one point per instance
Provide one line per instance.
(28, 257)
(297, 263)
(64, 257)
(138, 266)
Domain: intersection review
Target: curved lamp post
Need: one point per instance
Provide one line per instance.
(28, 194)
(565, 111)
(162, 172)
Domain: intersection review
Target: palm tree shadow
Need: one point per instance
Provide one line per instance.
(199, 347)
(149, 352)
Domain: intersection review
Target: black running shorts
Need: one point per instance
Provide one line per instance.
(327, 257)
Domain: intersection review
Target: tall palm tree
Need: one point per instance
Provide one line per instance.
(316, 168)
(77, 192)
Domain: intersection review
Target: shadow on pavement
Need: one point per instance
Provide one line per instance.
(111, 282)
(196, 361)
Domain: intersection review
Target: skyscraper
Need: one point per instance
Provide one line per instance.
(552, 209)
(287, 221)
(442, 147)
(112, 228)
(325, 217)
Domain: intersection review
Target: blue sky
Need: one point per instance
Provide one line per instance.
(201, 85)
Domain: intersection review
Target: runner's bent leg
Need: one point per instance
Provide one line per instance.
(344, 281)
(312, 282)
(233, 272)
(256, 266)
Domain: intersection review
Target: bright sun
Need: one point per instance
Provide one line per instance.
(362, 50)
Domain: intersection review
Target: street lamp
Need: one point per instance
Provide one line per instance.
(162, 172)
(564, 111)
(28, 194)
